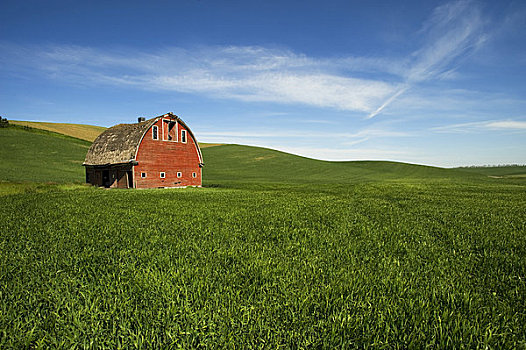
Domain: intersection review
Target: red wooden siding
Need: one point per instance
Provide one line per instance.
(170, 157)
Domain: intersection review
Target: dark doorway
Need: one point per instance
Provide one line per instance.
(130, 178)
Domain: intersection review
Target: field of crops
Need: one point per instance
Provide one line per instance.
(278, 251)
(387, 265)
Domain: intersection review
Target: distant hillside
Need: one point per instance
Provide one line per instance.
(232, 163)
(80, 131)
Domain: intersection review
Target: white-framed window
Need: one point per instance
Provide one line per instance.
(163, 174)
(194, 175)
(183, 136)
(155, 133)
(143, 175)
(179, 174)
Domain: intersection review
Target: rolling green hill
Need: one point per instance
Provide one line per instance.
(41, 156)
(234, 163)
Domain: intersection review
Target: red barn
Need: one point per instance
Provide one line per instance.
(159, 152)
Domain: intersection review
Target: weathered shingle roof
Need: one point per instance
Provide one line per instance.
(117, 144)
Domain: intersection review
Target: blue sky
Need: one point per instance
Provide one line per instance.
(428, 82)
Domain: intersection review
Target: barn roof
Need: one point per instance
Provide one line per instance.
(118, 144)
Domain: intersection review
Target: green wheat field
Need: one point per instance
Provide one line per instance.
(269, 254)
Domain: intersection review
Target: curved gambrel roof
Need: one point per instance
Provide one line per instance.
(120, 143)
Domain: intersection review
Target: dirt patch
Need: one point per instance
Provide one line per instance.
(265, 157)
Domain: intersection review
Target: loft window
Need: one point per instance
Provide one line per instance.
(155, 132)
(170, 130)
(143, 175)
(179, 174)
(194, 174)
(183, 136)
(163, 174)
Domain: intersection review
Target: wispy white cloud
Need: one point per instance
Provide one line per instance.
(282, 139)
(502, 125)
(347, 154)
(316, 89)
(454, 30)
(457, 104)
(239, 73)
(319, 121)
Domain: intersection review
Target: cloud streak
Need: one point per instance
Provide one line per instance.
(388, 102)
(453, 31)
(365, 133)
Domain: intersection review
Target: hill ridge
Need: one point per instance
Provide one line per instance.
(80, 131)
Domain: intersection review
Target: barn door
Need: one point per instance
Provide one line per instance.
(106, 178)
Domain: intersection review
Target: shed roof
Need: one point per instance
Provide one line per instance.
(119, 144)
